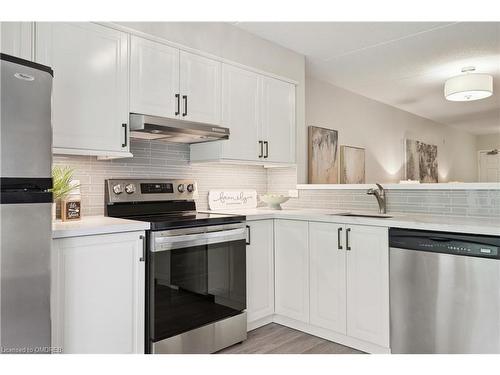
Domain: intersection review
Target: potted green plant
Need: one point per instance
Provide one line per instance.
(61, 185)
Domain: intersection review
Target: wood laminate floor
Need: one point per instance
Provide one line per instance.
(277, 339)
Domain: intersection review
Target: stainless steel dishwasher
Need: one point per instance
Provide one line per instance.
(444, 292)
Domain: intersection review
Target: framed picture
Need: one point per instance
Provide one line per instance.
(352, 165)
(323, 163)
(421, 162)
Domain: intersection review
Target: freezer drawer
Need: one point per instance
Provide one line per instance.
(25, 241)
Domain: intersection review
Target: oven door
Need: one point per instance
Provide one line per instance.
(196, 276)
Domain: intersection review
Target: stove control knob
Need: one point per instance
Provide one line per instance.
(130, 188)
(180, 188)
(118, 189)
(190, 188)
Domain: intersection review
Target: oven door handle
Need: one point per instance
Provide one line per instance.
(198, 239)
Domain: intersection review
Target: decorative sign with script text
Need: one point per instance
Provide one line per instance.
(228, 199)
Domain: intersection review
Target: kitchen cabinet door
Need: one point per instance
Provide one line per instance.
(154, 78)
(328, 276)
(260, 270)
(17, 39)
(278, 120)
(97, 298)
(200, 86)
(292, 269)
(368, 283)
(90, 87)
(240, 112)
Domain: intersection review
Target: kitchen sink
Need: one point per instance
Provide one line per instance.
(353, 214)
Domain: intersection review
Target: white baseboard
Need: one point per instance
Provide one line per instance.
(259, 323)
(320, 332)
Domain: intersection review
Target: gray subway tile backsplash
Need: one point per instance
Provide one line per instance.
(158, 160)
(166, 160)
(476, 203)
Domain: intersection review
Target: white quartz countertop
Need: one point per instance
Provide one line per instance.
(91, 225)
(459, 224)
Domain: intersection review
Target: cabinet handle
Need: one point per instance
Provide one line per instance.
(125, 139)
(178, 97)
(347, 245)
(185, 98)
(266, 143)
(261, 144)
(143, 238)
(339, 238)
(249, 235)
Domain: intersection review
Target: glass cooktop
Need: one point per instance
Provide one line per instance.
(186, 219)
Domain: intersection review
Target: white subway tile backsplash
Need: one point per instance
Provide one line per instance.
(483, 203)
(158, 160)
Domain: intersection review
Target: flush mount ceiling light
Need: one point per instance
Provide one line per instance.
(469, 86)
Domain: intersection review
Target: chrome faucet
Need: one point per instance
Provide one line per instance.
(380, 195)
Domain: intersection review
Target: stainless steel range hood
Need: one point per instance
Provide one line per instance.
(174, 130)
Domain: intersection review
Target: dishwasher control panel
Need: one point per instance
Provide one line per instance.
(446, 243)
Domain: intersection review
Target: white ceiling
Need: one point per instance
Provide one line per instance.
(403, 64)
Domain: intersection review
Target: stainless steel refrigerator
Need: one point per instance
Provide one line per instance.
(25, 209)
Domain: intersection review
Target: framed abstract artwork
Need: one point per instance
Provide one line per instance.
(323, 158)
(352, 165)
(421, 163)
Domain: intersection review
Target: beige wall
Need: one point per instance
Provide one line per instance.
(488, 141)
(381, 130)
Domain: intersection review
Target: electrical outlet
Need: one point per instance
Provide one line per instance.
(293, 193)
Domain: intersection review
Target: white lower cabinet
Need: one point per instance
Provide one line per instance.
(260, 272)
(350, 280)
(292, 269)
(97, 297)
(368, 284)
(328, 276)
(332, 280)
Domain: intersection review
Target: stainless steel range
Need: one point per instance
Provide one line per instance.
(195, 266)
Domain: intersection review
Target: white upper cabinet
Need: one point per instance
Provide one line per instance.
(17, 39)
(90, 88)
(292, 269)
(200, 88)
(240, 112)
(260, 113)
(154, 78)
(278, 120)
(260, 270)
(328, 276)
(97, 83)
(368, 284)
(168, 82)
